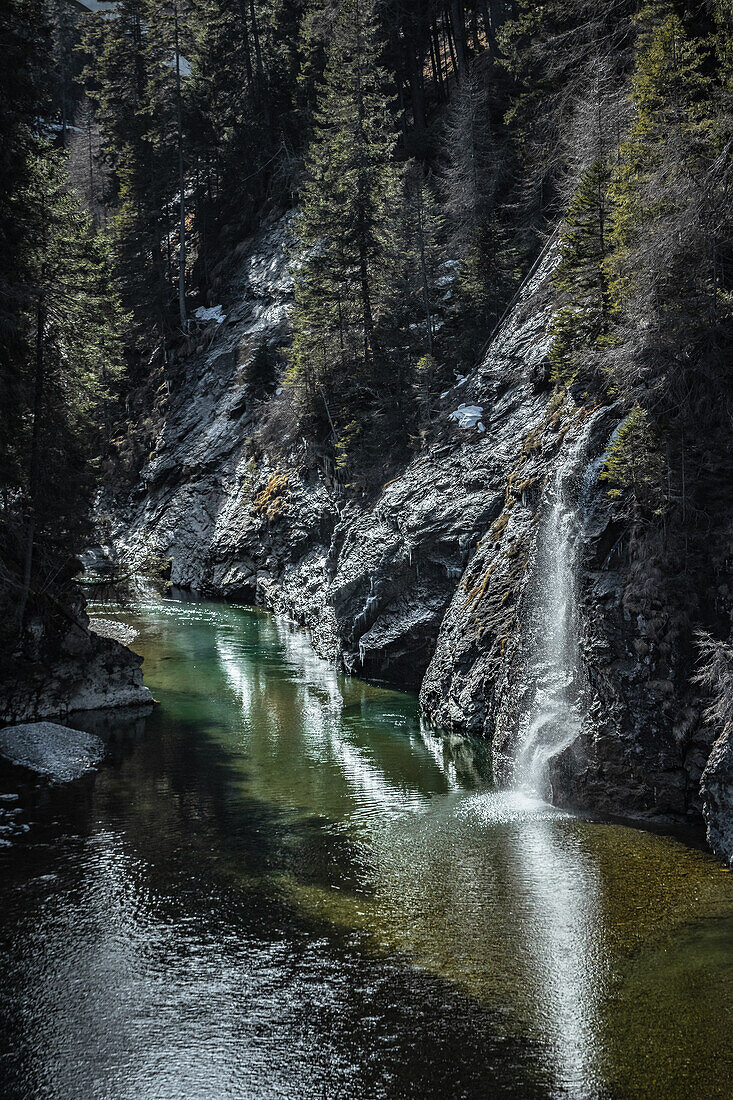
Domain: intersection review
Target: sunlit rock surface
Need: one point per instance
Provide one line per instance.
(52, 751)
(372, 581)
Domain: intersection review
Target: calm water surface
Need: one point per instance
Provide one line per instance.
(279, 885)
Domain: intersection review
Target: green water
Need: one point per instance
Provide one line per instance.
(279, 885)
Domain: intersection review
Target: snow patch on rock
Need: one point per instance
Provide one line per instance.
(467, 416)
(213, 313)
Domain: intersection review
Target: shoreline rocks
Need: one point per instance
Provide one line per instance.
(717, 793)
(85, 672)
(52, 751)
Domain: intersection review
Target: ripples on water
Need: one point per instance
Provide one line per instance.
(282, 886)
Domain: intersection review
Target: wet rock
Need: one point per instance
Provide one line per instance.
(196, 488)
(52, 751)
(87, 672)
(370, 580)
(110, 628)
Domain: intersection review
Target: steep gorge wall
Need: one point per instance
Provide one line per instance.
(429, 584)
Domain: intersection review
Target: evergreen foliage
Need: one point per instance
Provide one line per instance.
(430, 149)
(23, 95)
(117, 78)
(67, 355)
(634, 466)
(477, 169)
(583, 323)
(345, 231)
(60, 337)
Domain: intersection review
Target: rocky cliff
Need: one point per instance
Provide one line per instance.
(434, 582)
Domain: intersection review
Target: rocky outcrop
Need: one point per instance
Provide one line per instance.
(51, 751)
(79, 672)
(193, 500)
(478, 677)
(430, 583)
(370, 579)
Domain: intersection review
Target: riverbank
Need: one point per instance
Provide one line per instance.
(75, 669)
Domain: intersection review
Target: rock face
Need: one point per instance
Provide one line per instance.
(54, 752)
(85, 672)
(432, 584)
(717, 793)
(372, 581)
(193, 496)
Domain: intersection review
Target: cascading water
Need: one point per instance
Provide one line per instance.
(549, 719)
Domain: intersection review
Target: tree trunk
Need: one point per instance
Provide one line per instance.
(436, 75)
(474, 31)
(245, 40)
(35, 460)
(459, 36)
(256, 36)
(91, 164)
(182, 186)
(416, 90)
(439, 58)
(423, 265)
(366, 301)
(449, 39)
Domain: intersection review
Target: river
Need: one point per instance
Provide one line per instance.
(281, 885)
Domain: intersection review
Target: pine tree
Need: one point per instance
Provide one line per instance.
(169, 44)
(344, 233)
(670, 285)
(669, 91)
(474, 178)
(315, 33)
(72, 319)
(553, 52)
(86, 168)
(65, 22)
(411, 313)
(241, 99)
(422, 254)
(23, 97)
(581, 276)
(634, 467)
(117, 81)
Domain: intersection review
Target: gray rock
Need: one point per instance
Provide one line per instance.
(92, 673)
(717, 794)
(123, 633)
(52, 751)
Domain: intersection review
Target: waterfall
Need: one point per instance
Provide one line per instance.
(549, 717)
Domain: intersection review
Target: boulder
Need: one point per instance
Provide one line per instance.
(50, 750)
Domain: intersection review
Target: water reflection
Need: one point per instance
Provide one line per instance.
(290, 887)
(541, 864)
(568, 961)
